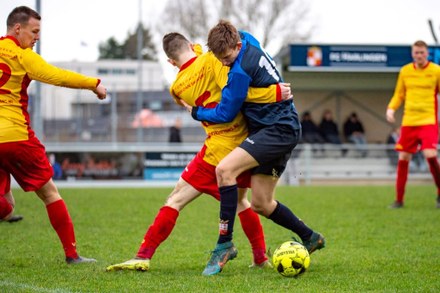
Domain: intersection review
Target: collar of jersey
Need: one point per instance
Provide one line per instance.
(11, 38)
(188, 63)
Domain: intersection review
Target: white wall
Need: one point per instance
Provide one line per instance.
(56, 102)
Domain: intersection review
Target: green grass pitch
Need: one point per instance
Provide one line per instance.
(369, 247)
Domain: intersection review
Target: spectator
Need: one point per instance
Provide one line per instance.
(175, 131)
(354, 133)
(392, 139)
(329, 129)
(56, 167)
(310, 131)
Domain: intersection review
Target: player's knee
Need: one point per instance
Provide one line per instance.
(6, 208)
(224, 175)
(259, 208)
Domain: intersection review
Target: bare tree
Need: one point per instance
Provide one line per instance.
(275, 23)
(431, 27)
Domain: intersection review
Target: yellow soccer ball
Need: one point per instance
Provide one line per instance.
(291, 259)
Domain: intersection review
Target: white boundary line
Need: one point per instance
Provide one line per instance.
(106, 183)
(7, 284)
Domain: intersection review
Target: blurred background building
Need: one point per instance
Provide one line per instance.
(323, 51)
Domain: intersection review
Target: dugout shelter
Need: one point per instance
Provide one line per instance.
(346, 79)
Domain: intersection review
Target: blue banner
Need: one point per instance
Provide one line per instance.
(353, 57)
(165, 166)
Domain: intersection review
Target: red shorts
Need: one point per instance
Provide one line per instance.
(27, 162)
(411, 137)
(201, 176)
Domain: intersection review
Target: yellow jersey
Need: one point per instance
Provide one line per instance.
(18, 67)
(418, 89)
(199, 82)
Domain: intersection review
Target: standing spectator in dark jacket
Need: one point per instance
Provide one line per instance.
(175, 131)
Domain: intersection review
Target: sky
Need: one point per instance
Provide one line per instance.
(73, 29)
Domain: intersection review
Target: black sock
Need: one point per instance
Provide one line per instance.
(228, 209)
(285, 218)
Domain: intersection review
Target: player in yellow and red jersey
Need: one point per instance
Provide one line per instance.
(199, 82)
(21, 153)
(417, 87)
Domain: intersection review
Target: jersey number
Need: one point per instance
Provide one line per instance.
(265, 63)
(5, 76)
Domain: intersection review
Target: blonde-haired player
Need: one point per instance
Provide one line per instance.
(417, 87)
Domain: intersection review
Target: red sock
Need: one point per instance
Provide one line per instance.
(62, 223)
(250, 222)
(402, 176)
(159, 231)
(5, 207)
(435, 171)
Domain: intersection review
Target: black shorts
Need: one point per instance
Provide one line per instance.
(271, 147)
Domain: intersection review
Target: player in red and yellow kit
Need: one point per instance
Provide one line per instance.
(21, 153)
(417, 87)
(199, 82)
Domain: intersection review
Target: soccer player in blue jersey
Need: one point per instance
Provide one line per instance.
(274, 131)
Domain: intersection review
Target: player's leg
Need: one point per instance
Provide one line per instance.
(6, 199)
(61, 221)
(165, 220)
(11, 218)
(227, 172)
(251, 224)
(406, 146)
(10, 197)
(161, 227)
(434, 168)
(6, 209)
(6, 205)
(264, 203)
(28, 164)
(197, 177)
(429, 139)
(401, 178)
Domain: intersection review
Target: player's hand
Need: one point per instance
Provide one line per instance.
(186, 105)
(101, 92)
(390, 115)
(286, 91)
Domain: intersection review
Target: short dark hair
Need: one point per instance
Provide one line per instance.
(173, 44)
(222, 37)
(21, 14)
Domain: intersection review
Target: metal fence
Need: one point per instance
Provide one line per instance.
(309, 164)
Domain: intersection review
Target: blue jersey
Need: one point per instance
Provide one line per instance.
(253, 67)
